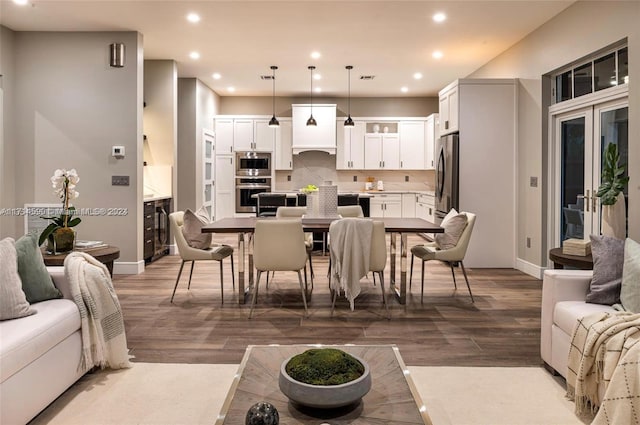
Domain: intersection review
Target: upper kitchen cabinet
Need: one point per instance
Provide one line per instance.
(432, 131)
(350, 145)
(382, 151)
(224, 136)
(253, 135)
(283, 151)
(412, 145)
(321, 137)
(449, 109)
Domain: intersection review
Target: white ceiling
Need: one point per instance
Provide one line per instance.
(240, 39)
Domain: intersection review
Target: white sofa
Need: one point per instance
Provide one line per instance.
(563, 303)
(39, 355)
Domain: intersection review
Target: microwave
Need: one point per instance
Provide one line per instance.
(253, 164)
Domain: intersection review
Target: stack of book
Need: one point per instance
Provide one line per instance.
(579, 247)
(83, 245)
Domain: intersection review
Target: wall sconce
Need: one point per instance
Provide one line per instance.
(116, 55)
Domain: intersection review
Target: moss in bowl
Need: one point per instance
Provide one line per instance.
(324, 378)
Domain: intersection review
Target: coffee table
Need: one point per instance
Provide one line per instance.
(105, 254)
(393, 398)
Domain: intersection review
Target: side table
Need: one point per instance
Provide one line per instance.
(579, 262)
(106, 255)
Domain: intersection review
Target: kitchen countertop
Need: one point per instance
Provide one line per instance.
(367, 193)
(156, 198)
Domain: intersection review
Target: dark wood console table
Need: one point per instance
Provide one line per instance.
(561, 260)
(106, 255)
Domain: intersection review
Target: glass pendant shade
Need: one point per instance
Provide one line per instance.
(273, 122)
(311, 121)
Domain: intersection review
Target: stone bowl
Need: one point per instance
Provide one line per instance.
(325, 396)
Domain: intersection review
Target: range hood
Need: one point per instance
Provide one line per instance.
(321, 137)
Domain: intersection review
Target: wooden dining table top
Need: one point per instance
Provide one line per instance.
(391, 224)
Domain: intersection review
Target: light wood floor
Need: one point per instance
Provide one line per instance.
(502, 328)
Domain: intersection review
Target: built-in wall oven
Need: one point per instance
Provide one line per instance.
(253, 176)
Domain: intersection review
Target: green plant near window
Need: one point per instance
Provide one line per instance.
(613, 180)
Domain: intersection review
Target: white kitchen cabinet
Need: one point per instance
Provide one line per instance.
(381, 151)
(449, 109)
(224, 136)
(425, 207)
(224, 187)
(408, 205)
(350, 147)
(321, 137)
(253, 135)
(243, 134)
(264, 137)
(283, 152)
(412, 145)
(432, 131)
(385, 205)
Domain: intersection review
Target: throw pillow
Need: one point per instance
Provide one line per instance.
(452, 213)
(192, 231)
(13, 303)
(453, 228)
(203, 214)
(36, 282)
(630, 290)
(608, 258)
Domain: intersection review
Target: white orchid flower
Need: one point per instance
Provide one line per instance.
(72, 175)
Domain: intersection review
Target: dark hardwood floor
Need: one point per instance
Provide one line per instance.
(502, 328)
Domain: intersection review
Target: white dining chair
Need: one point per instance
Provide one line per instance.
(298, 212)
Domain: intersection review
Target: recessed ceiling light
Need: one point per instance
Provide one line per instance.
(437, 54)
(439, 17)
(231, 89)
(21, 2)
(194, 55)
(315, 55)
(404, 89)
(216, 76)
(317, 77)
(417, 75)
(193, 18)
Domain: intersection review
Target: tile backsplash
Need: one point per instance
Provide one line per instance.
(318, 167)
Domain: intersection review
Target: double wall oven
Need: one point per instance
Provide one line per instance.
(253, 175)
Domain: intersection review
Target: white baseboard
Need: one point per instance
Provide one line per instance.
(128, 267)
(530, 268)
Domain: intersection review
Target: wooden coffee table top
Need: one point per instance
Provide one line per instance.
(105, 254)
(560, 260)
(393, 398)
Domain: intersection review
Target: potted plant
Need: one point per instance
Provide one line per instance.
(59, 234)
(611, 194)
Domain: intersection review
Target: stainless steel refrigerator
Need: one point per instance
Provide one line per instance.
(447, 151)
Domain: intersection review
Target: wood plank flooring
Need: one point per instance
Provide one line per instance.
(502, 328)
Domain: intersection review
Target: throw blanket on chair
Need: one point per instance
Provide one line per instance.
(350, 251)
(598, 347)
(104, 342)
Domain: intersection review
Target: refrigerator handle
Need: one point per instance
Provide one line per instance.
(440, 172)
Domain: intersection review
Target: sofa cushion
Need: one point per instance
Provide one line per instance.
(630, 292)
(608, 258)
(36, 282)
(566, 313)
(27, 338)
(13, 303)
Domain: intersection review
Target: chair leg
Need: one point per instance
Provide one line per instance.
(464, 272)
(455, 284)
(411, 272)
(190, 274)
(310, 270)
(384, 297)
(255, 294)
(422, 284)
(221, 284)
(304, 294)
(177, 280)
(306, 286)
(233, 276)
(374, 278)
(267, 280)
(333, 303)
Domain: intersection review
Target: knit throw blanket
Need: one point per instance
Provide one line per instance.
(104, 342)
(600, 345)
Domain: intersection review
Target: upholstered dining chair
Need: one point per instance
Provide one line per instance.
(278, 245)
(348, 199)
(268, 203)
(451, 256)
(350, 211)
(298, 212)
(377, 260)
(216, 252)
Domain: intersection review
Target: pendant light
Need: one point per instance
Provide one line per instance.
(273, 122)
(349, 122)
(311, 121)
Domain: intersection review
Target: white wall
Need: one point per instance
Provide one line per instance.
(581, 29)
(7, 140)
(70, 108)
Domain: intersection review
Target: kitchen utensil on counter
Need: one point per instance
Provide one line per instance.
(380, 185)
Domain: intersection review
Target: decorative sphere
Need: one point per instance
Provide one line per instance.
(262, 413)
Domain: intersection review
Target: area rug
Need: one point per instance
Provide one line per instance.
(191, 394)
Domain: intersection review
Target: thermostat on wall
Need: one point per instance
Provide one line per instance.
(117, 151)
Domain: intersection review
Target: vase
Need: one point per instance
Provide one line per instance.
(614, 219)
(61, 240)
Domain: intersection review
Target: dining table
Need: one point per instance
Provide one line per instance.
(245, 227)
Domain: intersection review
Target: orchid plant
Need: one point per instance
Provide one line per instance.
(64, 186)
